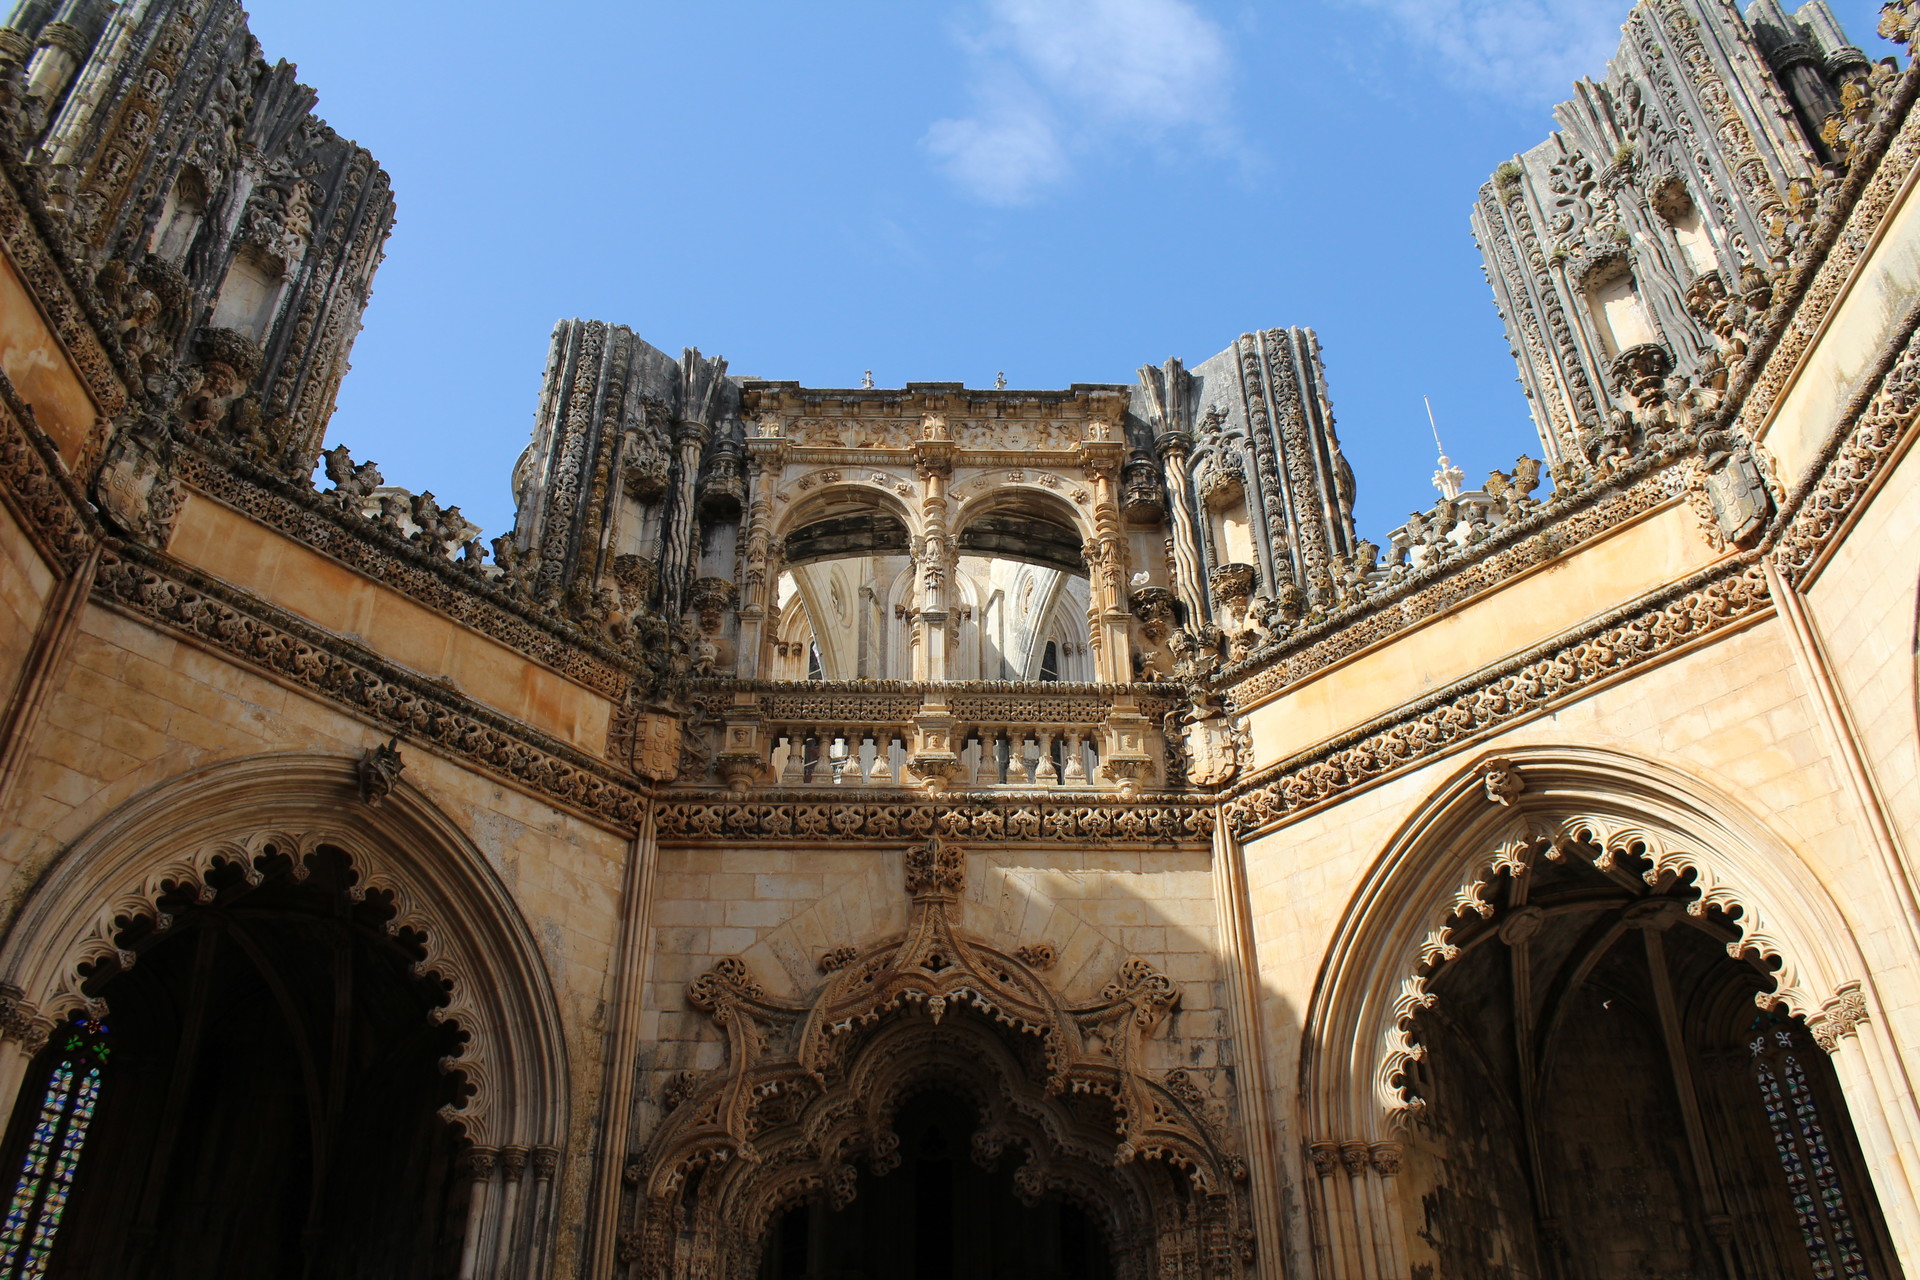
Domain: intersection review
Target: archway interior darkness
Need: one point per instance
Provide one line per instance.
(268, 1102)
(939, 1216)
(1605, 1099)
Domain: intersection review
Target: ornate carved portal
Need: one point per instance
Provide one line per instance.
(810, 1088)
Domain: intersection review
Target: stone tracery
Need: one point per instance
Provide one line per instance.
(809, 1086)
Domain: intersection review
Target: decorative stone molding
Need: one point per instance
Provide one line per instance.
(1514, 548)
(432, 581)
(345, 673)
(1868, 437)
(37, 488)
(1520, 687)
(805, 817)
(36, 245)
(809, 1086)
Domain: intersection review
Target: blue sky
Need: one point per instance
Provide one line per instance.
(1059, 189)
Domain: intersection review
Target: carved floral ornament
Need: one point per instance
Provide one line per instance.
(810, 1086)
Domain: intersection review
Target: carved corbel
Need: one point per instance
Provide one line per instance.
(1502, 781)
(380, 767)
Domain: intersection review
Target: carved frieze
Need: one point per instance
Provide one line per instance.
(344, 672)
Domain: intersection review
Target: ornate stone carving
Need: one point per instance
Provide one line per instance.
(380, 767)
(1529, 682)
(1839, 1017)
(335, 668)
(806, 818)
(137, 489)
(1502, 781)
(931, 1005)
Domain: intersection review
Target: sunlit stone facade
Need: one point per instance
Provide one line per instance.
(944, 831)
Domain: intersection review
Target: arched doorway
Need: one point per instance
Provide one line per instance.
(941, 1214)
(929, 1072)
(268, 1089)
(325, 1040)
(1603, 1097)
(1585, 1018)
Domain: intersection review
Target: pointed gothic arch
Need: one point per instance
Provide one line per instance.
(268, 815)
(810, 1090)
(1493, 824)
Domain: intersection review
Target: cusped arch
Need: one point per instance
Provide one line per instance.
(245, 814)
(1494, 818)
(810, 1087)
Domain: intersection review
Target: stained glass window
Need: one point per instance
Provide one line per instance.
(53, 1151)
(1813, 1180)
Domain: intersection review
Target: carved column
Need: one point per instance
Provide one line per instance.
(513, 1163)
(1392, 1229)
(933, 463)
(676, 549)
(1188, 576)
(546, 1162)
(628, 985)
(1337, 1216)
(480, 1162)
(758, 597)
(1354, 1158)
(1106, 554)
(1865, 1063)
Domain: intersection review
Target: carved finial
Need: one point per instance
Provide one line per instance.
(866, 380)
(380, 767)
(1449, 479)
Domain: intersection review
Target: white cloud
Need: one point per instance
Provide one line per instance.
(1524, 50)
(1054, 79)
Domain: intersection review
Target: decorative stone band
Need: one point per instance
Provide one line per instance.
(435, 583)
(1549, 532)
(36, 487)
(36, 243)
(1872, 432)
(188, 604)
(1523, 686)
(784, 819)
(1839, 1017)
(1842, 236)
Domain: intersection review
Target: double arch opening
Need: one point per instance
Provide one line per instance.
(1014, 584)
(320, 1038)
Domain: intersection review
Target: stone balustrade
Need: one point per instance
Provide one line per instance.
(948, 737)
